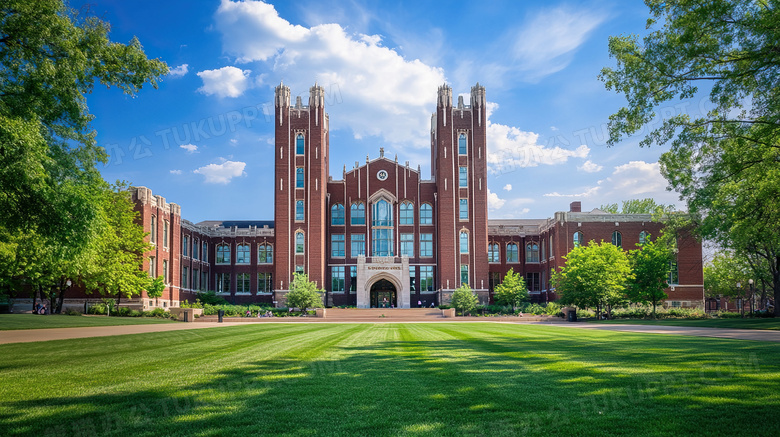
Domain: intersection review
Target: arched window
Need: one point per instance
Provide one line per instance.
(242, 254)
(464, 242)
(493, 253)
(299, 144)
(532, 253)
(578, 239)
(337, 214)
(265, 254)
(462, 144)
(512, 254)
(357, 213)
(382, 228)
(223, 254)
(617, 239)
(426, 214)
(299, 210)
(407, 214)
(299, 242)
(643, 237)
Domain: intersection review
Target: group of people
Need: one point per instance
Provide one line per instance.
(260, 313)
(40, 309)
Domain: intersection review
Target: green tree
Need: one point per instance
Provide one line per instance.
(511, 291)
(595, 276)
(464, 299)
(155, 288)
(304, 293)
(50, 58)
(637, 206)
(725, 163)
(650, 266)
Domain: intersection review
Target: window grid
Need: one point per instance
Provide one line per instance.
(512, 253)
(223, 254)
(407, 245)
(357, 214)
(337, 245)
(337, 278)
(337, 214)
(426, 214)
(426, 245)
(243, 254)
(358, 245)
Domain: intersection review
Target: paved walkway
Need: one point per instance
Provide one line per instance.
(33, 335)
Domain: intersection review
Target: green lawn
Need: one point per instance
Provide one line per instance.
(756, 323)
(391, 379)
(32, 321)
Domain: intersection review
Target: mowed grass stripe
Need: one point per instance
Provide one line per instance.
(391, 379)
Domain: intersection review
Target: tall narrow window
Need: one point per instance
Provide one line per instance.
(494, 253)
(242, 283)
(532, 253)
(299, 177)
(462, 144)
(223, 283)
(337, 278)
(426, 214)
(512, 253)
(153, 233)
(185, 246)
(532, 281)
(357, 245)
(265, 283)
(552, 254)
(412, 279)
(426, 245)
(165, 233)
(643, 237)
(352, 279)
(337, 245)
(195, 244)
(543, 248)
(464, 242)
(153, 267)
(463, 180)
(357, 213)
(579, 239)
(299, 210)
(617, 239)
(299, 242)
(464, 209)
(299, 144)
(337, 214)
(382, 229)
(195, 279)
(407, 214)
(223, 254)
(464, 274)
(407, 245)
(242, 254)
(165, 271)
(426, 278)
(204, 254)
(265, 254)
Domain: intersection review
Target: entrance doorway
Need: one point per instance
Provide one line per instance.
(383, 294)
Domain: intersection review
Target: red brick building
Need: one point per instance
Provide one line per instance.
(381, 234)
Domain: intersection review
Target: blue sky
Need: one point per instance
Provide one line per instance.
(204, 138)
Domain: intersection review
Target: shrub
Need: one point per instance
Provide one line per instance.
(71, 312)
(211, 298)
(98, 308)
(552, 309)
(727, 315)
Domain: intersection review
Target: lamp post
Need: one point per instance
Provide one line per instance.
(752, 294)
(739, 299)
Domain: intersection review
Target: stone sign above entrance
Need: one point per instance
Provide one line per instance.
(383, 281)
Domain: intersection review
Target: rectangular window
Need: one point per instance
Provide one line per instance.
(298, 269)
(337, 245)
(185, 274)
(299, 177)
(185, 246)
(165, 270)
(242, 254)
(674, 273)
(242, 283)
(463, 180)
(195, 245)
(412, 279)
(494, 255)
(426, 278)
(532, 281)
(165, 233)
(358, 245)
(265, 254)
(407, 245)
(299, 210)
(493, 280)
(204, 280)
(426, 245)
(382, 240)
(223, 254)
(265, 283)
(426, 214)
(464, 242)
(195, 279)
(352, 279)
(153, 233)
(337, 278)
(152, 267)
(464, 274)
(464, 209)
(223, 283)
(204, 254)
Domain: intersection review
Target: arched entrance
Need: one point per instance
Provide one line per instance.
(383, 294)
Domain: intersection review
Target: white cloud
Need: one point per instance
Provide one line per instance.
(221, 173)
(494, 202)
(224, 82)
(177, 172)
(373, 89)
(179, 71)
(190, 148)
(508, 187)
(548, 40)
(590, 167)
(510, 148)
(233, 141)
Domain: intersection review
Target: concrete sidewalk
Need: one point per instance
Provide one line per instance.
(735, 334)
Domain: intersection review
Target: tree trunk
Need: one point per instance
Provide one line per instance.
(776, 285)
(61, 300)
